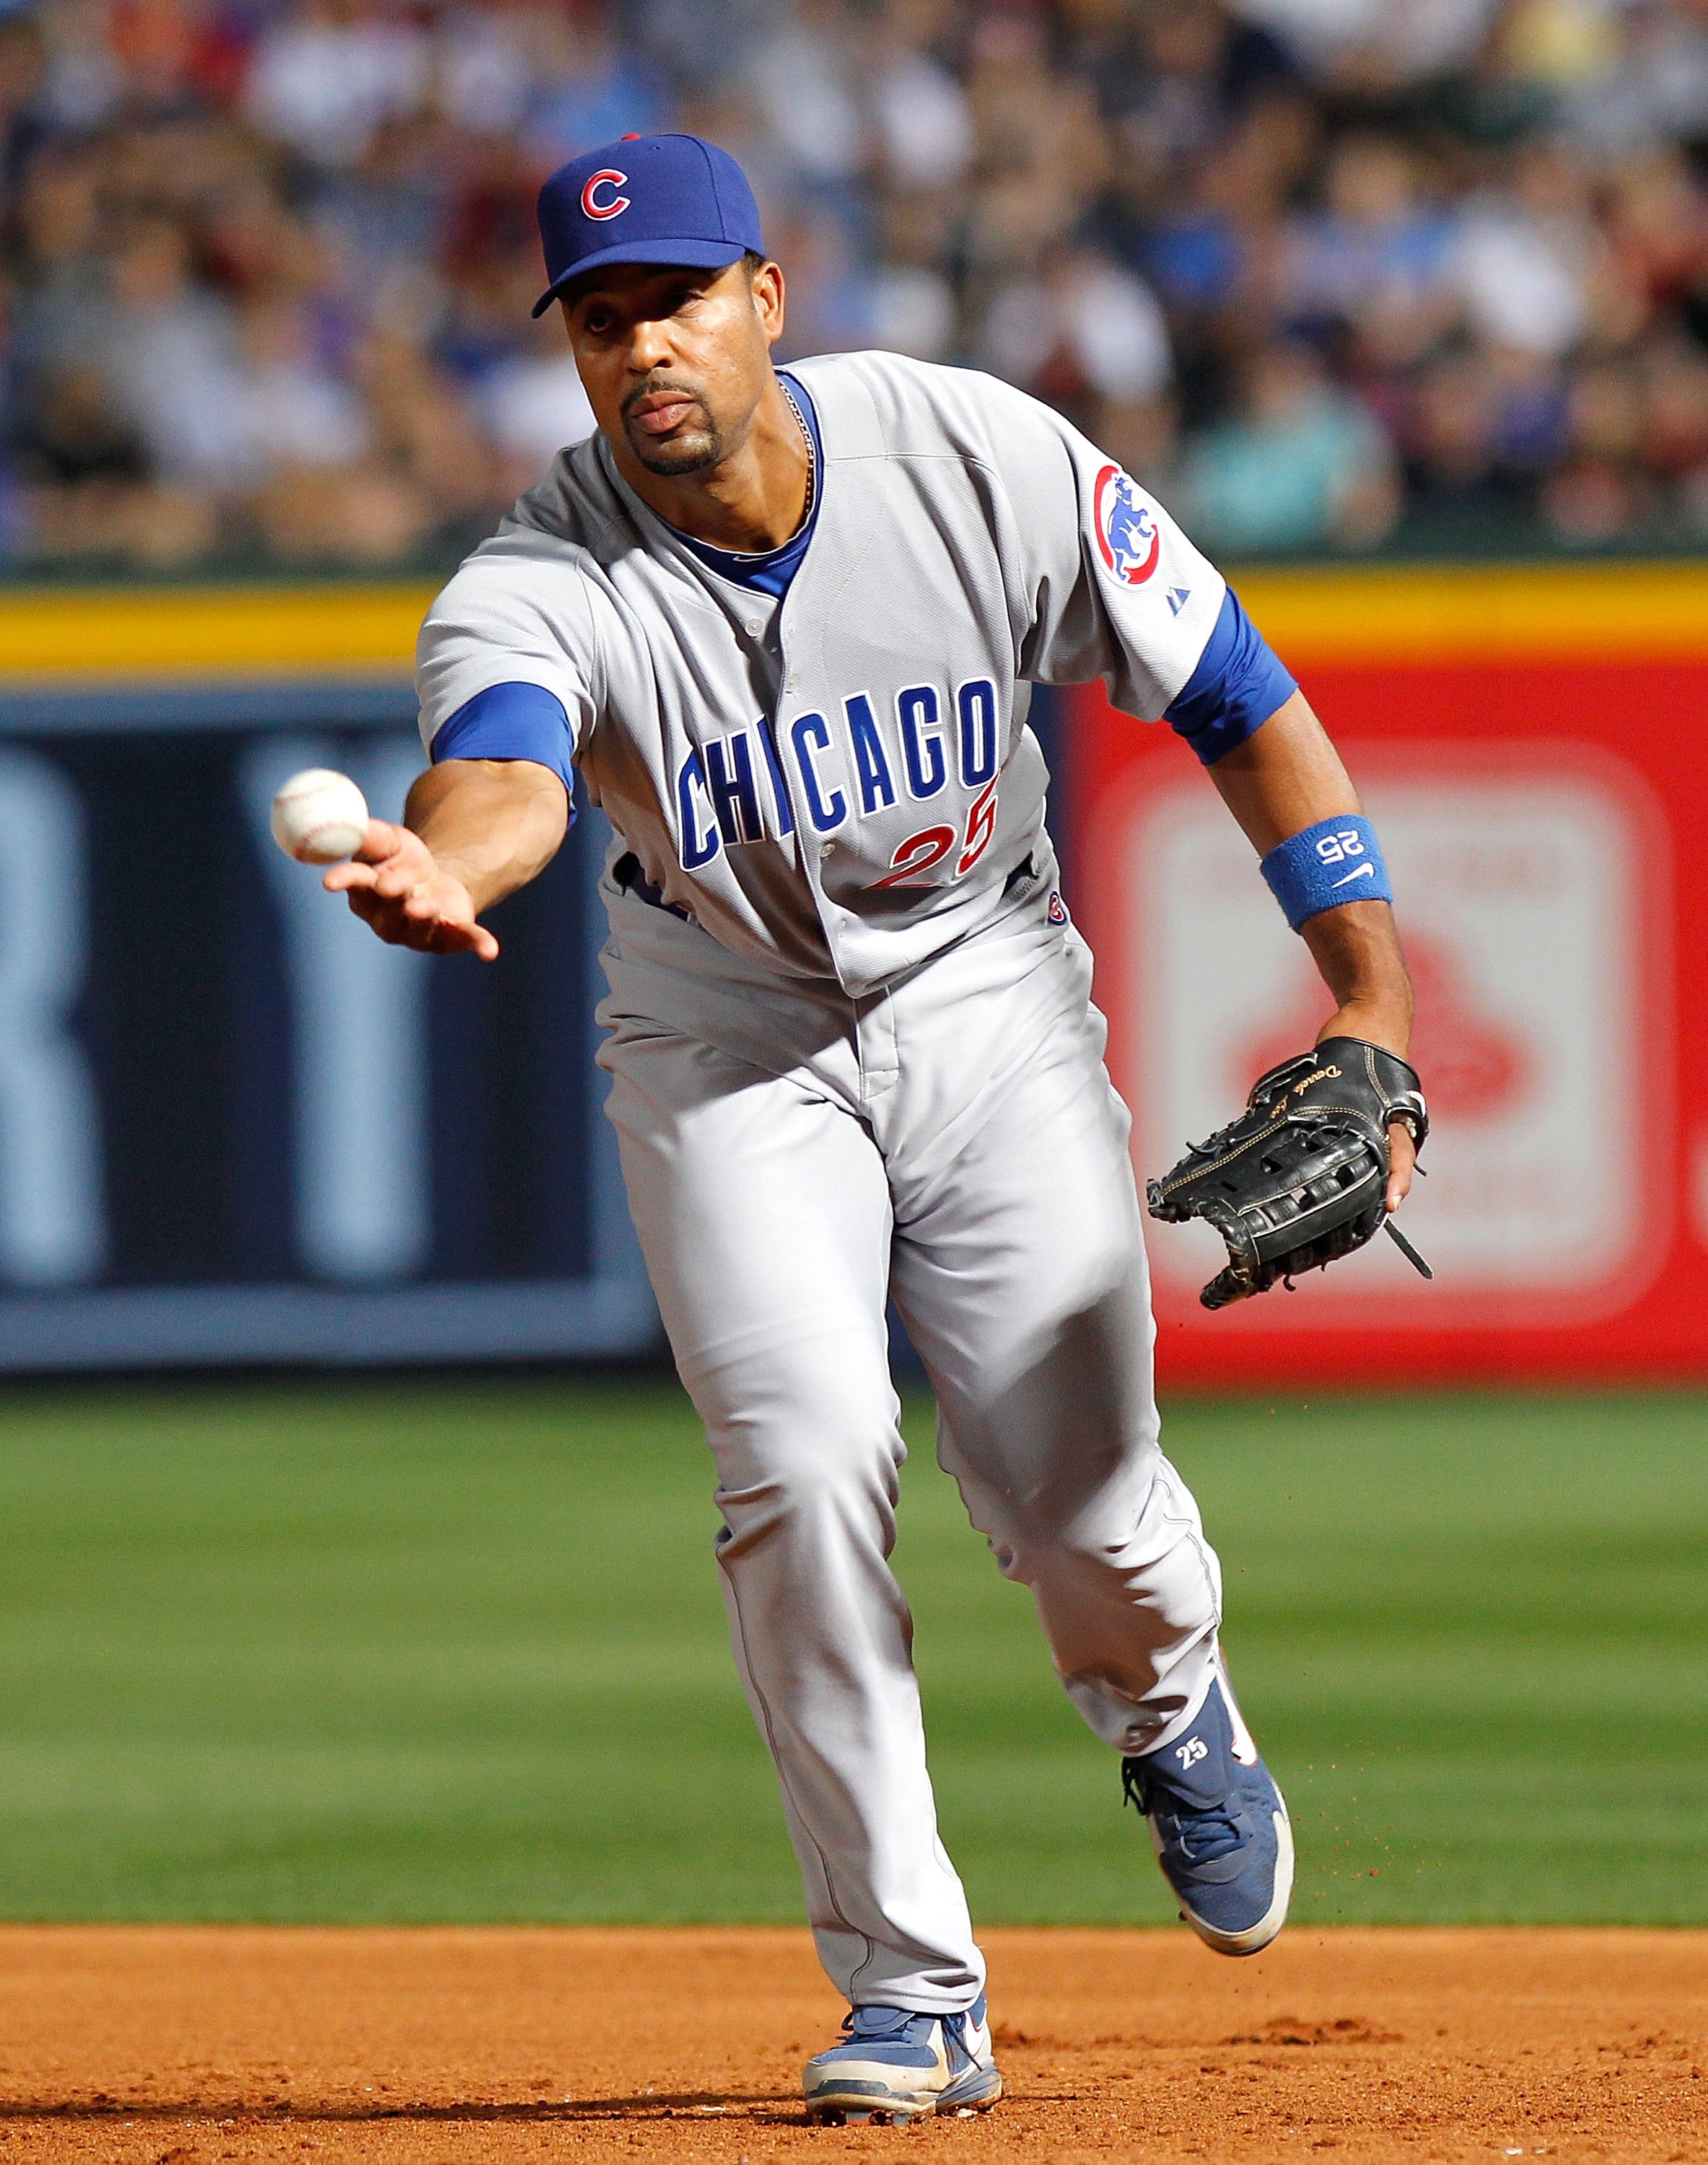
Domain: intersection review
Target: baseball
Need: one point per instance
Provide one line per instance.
(319, 817)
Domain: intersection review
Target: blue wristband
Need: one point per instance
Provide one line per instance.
(1335, 861)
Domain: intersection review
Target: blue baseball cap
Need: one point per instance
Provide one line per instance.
(646, 199)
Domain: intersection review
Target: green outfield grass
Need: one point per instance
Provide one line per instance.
(457, 1652)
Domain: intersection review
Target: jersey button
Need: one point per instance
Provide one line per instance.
(753, 627)
(827, 849)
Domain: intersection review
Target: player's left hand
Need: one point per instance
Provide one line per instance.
(1402, 1163)
(1307, 1173)
(1376, 1029)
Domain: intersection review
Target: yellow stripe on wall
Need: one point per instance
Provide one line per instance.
(1499, 612)
(90, 633)
(1350, 613)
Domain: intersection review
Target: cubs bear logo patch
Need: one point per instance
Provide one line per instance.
(1128, 537)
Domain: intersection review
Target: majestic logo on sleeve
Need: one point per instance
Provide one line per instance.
(590, 202)
(1127, 533)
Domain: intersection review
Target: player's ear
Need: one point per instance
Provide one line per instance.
(767, 287)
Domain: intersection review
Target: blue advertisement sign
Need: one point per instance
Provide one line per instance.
(234, 1126)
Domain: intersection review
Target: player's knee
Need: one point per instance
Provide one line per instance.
(819, 1511)
(1088, 1525)
(808, 1460)
(1075, 1480)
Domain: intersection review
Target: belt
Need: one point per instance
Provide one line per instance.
(629, 876)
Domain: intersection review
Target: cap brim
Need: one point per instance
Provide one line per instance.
(691, 254)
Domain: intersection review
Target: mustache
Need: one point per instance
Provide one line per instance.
(655, 384)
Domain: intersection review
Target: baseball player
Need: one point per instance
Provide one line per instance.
(783, 626)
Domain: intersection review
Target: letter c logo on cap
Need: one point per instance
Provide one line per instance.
(589, 201)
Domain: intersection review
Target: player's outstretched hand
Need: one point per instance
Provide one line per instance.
(396, 884)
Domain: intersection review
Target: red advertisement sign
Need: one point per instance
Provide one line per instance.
(1543, 813)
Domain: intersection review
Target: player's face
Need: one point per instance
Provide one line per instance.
(674, 361)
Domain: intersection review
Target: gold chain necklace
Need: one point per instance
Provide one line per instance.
(812, 449)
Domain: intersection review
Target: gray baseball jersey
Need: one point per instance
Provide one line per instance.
(840, 784)
(854, 1055)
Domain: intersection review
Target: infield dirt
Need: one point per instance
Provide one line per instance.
(163, 2045)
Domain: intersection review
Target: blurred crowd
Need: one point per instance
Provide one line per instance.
(1328, 274)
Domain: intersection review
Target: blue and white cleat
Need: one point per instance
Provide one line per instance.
(1220, 1827)
(894, 2064)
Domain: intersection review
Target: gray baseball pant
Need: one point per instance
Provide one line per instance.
(793, 1155)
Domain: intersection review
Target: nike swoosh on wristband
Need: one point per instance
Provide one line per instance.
(1364, 871)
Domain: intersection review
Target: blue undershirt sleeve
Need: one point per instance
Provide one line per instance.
(511, 721)
(1237, 685)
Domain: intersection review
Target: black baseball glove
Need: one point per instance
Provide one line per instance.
(1297, 1181)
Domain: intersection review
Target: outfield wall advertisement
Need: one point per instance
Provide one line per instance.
(232, 1125)
(1533, 747)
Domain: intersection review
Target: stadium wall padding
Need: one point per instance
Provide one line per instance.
(1533, 746)
(234, 1128)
